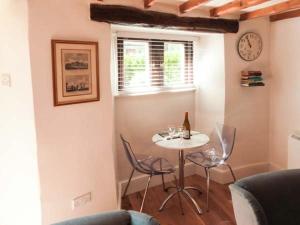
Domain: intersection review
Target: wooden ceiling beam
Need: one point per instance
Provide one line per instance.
(190, 5)
(148, 3)
(271, 10)
(285, 15)
(125, 15)
(234, 6)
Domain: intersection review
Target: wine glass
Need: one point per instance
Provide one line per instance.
(171, 131)
(180, 132)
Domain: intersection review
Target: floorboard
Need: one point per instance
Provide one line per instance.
(220, 213)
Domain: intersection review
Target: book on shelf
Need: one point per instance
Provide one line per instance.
(250, 81)
(252, 84)
(251, 73)
(255, 73)
(255, 78)
(251, 78)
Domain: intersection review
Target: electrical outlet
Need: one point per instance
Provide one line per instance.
(81, 200)
(6, 79)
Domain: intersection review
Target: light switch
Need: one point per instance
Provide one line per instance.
(6, 79)
(81, 200)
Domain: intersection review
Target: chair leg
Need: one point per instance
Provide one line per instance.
(178, 194)
(163, 183)
(163, 178)
(125, 191)
(231, 171)
(207, 188)
(145, 194)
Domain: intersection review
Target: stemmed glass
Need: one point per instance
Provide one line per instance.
(171, 131)
(180, 132)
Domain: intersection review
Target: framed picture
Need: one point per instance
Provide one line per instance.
(75, 72)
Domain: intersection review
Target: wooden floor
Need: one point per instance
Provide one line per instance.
(220, 213)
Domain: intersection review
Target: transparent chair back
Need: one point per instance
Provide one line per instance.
(222, 141)
(132, 158)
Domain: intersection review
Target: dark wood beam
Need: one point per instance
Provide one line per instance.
(125, 15)
(190, 5)
(234, 6)
(271, 10)
(148, 3)
(285, 15)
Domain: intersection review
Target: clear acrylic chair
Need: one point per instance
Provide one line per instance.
(215, 153)
(149, 165)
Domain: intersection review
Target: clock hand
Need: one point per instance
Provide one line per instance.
(249, 42)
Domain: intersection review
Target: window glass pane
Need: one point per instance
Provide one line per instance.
(147, 65)
(174, 64)
(136, 65)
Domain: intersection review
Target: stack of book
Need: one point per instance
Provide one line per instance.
(252, 78)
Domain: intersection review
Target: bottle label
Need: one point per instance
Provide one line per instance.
(186, 134)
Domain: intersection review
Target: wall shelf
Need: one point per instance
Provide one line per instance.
(252, 79)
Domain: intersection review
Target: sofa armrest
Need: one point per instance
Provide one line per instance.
(138, 218)
(247, 209)
(120, 217)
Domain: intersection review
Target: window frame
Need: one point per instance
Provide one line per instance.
(189, 59)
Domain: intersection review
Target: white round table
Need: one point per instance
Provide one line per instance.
(179, 145)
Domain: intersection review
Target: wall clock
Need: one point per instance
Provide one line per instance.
(250, 46)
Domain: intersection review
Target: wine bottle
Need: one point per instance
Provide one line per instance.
(186, 127)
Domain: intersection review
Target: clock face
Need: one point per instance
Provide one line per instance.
(250, 46)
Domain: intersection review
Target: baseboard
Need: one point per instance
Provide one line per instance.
(275, 167)
(222, 174)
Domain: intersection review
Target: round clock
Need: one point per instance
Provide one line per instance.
(250, 46)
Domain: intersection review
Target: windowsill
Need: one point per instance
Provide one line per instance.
(158, 92)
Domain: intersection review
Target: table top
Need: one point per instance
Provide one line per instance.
(197, 140)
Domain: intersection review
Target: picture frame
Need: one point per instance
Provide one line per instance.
(75, 66)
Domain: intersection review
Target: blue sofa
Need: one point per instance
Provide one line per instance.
(267, 199)
(120, 217)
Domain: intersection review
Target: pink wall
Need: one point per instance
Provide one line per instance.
(75, 142)
(210, 80)
(19, 182)
(247, 109)
(284, 108)
(139, 117)
(219, 98)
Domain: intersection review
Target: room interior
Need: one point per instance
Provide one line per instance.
(53, 154)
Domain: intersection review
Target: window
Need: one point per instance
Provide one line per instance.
(146, 65)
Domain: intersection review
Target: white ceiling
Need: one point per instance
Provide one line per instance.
(266, 4)
(217, 3)
(211, 3)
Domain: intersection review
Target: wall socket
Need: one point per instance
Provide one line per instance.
(81, 200)
(6, 79)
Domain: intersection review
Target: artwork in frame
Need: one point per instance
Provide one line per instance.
(75, 72)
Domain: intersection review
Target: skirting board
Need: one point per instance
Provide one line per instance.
(222, 174)
(275, 167)
(219, 175)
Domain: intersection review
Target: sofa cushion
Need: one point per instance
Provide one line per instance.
(120, 217)
(138, 218)
(278, 193)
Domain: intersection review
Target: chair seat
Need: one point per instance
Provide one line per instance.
(207, 158)
(156, 165)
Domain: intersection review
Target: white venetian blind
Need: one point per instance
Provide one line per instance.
(153, 64)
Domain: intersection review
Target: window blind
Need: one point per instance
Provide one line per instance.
(153, 64)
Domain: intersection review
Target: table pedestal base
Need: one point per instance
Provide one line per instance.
(185, 193)
(182, 190)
